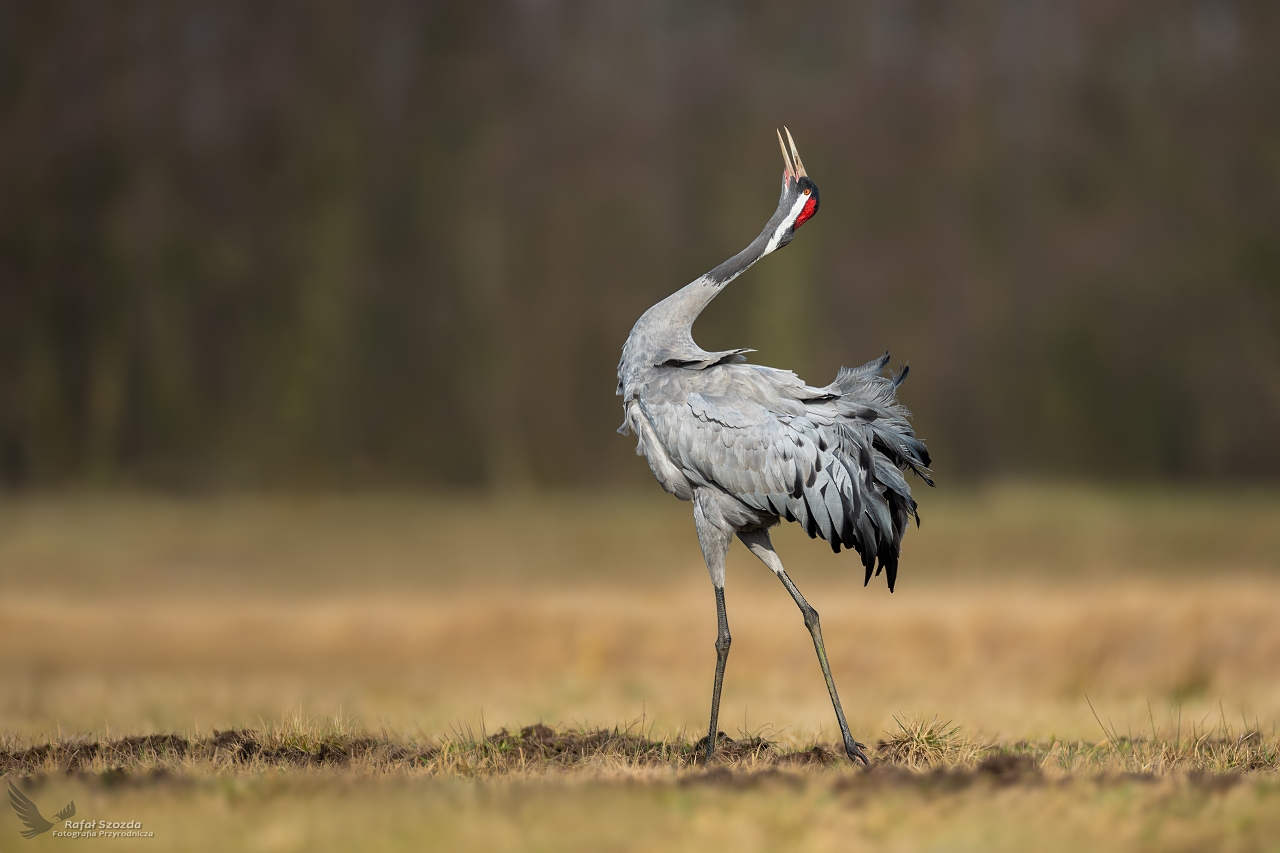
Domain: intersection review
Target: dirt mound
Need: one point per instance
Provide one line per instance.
(542, 742)
(168, 751)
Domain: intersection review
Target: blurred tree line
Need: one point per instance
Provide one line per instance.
(341, 243)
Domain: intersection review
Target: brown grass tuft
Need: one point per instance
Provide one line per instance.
(921, 743)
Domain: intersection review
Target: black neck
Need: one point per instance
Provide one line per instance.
(738, 264)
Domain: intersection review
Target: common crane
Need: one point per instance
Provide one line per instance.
(750, 445)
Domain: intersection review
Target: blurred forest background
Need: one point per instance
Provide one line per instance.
(397, 243)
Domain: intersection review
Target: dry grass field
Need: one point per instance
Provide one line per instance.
(1059, 667)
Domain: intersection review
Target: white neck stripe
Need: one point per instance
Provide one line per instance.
(786, 223)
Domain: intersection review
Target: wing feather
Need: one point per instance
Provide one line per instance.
(831, 459)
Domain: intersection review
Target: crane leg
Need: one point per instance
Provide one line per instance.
(723, 640)
(714, 535)
(759, 544)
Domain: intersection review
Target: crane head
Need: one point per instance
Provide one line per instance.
(799, 200)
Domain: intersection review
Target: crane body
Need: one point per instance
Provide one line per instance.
(751, 445)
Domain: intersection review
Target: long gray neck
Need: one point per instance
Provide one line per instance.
(664, 333)
(681, 309)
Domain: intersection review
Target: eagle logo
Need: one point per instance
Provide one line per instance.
(30, 815)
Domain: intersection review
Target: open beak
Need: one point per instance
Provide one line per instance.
(795, 168)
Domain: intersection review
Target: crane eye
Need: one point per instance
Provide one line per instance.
(806, 192)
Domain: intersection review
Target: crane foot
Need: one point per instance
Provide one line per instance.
(856, 752)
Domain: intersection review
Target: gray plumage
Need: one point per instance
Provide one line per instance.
(765, 443)
(751, 445)
(771, 447)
